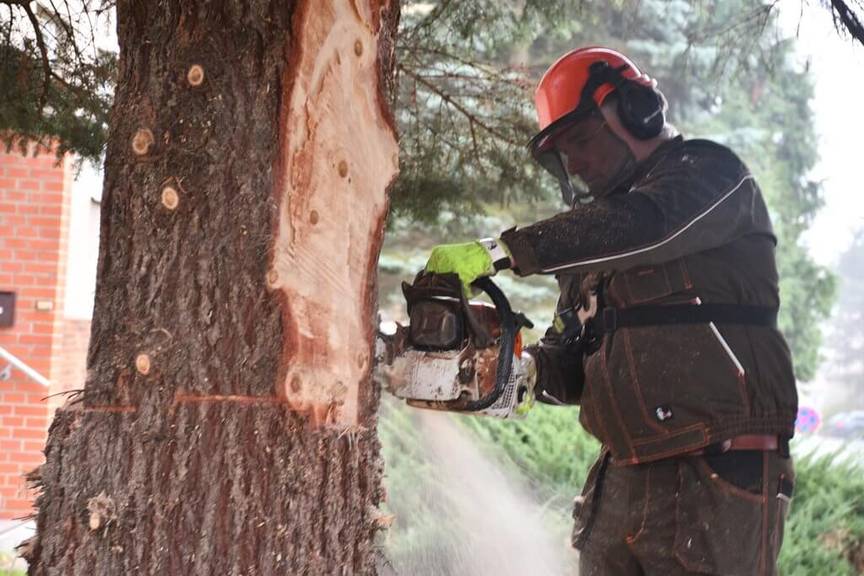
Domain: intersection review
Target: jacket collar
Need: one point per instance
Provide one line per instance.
(649, 163)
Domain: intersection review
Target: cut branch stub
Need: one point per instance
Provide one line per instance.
(142, 364)
(170, 198)
(273, 279)
(142, 141)
(195, 75)
(102, 511)
(329, 229)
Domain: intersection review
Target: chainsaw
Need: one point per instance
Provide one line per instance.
(457, 355)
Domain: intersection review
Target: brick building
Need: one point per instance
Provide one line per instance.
(48, 247)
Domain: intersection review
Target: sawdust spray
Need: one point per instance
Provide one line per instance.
(497, 525)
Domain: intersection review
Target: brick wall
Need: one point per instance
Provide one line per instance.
(34, 194)
(70, 364)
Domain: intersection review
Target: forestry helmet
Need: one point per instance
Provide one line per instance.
(577, 84)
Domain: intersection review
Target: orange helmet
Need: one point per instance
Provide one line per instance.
(576, 85)
(561, 89)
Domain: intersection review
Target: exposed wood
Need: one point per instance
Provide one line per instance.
(339, 156)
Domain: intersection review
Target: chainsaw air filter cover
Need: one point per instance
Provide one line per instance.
(437, 324)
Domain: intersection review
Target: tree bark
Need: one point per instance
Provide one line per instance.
(227, 425)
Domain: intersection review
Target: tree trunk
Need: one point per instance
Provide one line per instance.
(227, 425)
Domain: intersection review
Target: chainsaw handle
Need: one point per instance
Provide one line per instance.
(506, 348)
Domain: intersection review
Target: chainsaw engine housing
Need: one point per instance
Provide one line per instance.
(450, 356)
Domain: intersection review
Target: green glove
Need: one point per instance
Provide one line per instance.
(470, 261)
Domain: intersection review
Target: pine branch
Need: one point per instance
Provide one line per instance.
(429, 20)
(451, 101)
(40, 43)
(846, 19)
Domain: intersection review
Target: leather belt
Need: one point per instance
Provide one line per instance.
(763, 442)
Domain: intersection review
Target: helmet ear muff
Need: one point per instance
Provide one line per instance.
(641, 108)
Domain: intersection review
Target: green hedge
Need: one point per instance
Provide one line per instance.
(552, 453)
(825, 534)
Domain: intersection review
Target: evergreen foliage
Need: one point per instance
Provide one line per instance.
(825, 532)
(549, 447)
(55, 84)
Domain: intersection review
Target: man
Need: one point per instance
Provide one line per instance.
(665, 330)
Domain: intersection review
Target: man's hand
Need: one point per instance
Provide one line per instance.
(469, 261)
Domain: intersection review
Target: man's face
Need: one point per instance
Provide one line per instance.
(591, 151)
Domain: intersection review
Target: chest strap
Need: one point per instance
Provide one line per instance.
(610, 319)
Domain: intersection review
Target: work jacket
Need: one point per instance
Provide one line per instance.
(689, 227)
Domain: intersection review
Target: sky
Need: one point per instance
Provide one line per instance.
(838, 71)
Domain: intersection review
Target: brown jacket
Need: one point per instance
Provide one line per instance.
(690, 225)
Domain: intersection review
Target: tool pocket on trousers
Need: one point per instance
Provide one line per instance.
(584, 505)
(718, 524)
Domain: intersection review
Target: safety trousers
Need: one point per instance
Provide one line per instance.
(708, 514)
